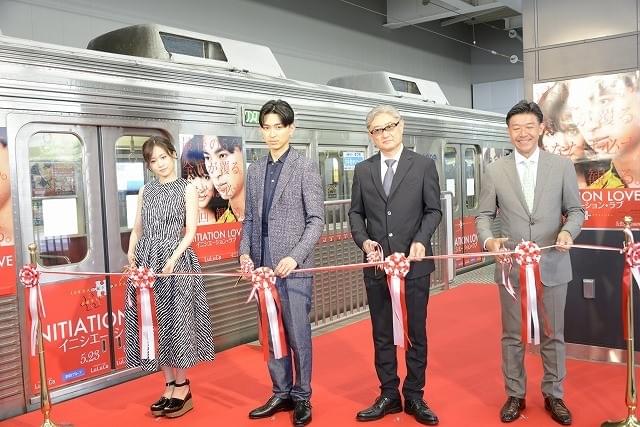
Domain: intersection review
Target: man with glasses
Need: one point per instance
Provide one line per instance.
(284, 218)
(395, 203)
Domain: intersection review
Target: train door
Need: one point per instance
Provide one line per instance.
(462, 178)
(77, 189)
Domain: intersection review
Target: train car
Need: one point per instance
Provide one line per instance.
(72, 123)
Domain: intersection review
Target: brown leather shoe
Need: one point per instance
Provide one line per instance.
(511, 409)
(559, 411)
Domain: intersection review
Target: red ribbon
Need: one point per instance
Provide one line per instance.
(527, 254)
(397, 267)
(30, 278)
(266, 293)
(631, 261)
(143, 279)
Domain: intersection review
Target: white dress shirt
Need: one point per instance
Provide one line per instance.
(383, 164)
(520, 161)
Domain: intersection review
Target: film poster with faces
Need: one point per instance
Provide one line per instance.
(595, 121)
(7, 245)
(214, 164)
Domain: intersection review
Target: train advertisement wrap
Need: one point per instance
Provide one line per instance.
(75, 331)
(7, 248)
(215, 166)
(466, 240)
(595, 121)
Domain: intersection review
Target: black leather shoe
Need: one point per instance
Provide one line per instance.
(381, 407)
(511, 409)
(559, 411)
(302, 413)
(178, 407)
(421, 412)
(157, 408)
(273, 405)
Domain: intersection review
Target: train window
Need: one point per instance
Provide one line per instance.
(58, 197)
(451, 173)
(193, 47)
(470, 177)
(131, 175)
(336, 167)
(405, 86)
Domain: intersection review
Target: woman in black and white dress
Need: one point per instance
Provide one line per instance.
(166, 220)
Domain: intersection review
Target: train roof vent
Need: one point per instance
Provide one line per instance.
(393, 84)
(180, 46)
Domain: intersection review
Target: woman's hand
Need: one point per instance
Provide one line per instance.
(169, 266)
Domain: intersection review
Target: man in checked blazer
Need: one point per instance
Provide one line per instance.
(535, 195)
(284, 218)
(395, 202)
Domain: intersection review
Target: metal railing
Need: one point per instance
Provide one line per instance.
(340, 295)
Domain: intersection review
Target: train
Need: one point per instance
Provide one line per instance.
(72, 123)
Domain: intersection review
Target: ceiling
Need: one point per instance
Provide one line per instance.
(401, 13)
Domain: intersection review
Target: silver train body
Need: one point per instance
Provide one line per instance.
(103, 101)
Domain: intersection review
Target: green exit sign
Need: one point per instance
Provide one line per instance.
(250, 117)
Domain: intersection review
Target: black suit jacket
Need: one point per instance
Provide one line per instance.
(411, 213)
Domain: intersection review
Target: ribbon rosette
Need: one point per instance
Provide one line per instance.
(527, 254)
(143, 278)
(397, 267)
(631, 269)
(30, 278)
(271, 325)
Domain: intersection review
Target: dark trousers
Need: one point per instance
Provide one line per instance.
(295, 297)
(417, 297)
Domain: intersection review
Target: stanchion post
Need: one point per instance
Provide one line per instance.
(631, 397)
(45, 400)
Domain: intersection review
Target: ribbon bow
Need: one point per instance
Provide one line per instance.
(527, 254)
(397, 267)
(30, 278)
(271, 325)
(143, 279)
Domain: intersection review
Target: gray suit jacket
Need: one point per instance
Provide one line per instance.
(296, 218)
(556, 194)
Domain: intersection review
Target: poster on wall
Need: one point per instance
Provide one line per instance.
(7, 248)
(215, 166)
(75, 331)
(595, 121)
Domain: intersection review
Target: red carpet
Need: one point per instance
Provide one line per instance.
(464, 384)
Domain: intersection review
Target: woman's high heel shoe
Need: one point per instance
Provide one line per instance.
(157, 409)
(178, 407)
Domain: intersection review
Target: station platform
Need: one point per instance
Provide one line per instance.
(464, 382)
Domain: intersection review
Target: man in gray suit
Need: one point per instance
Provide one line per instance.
(284, 218)
(535, 196)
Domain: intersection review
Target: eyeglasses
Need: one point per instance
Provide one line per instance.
(388, 128)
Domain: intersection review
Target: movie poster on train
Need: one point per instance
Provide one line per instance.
(7, 245)
(75, 332)
(595, 121)
(215, 166)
